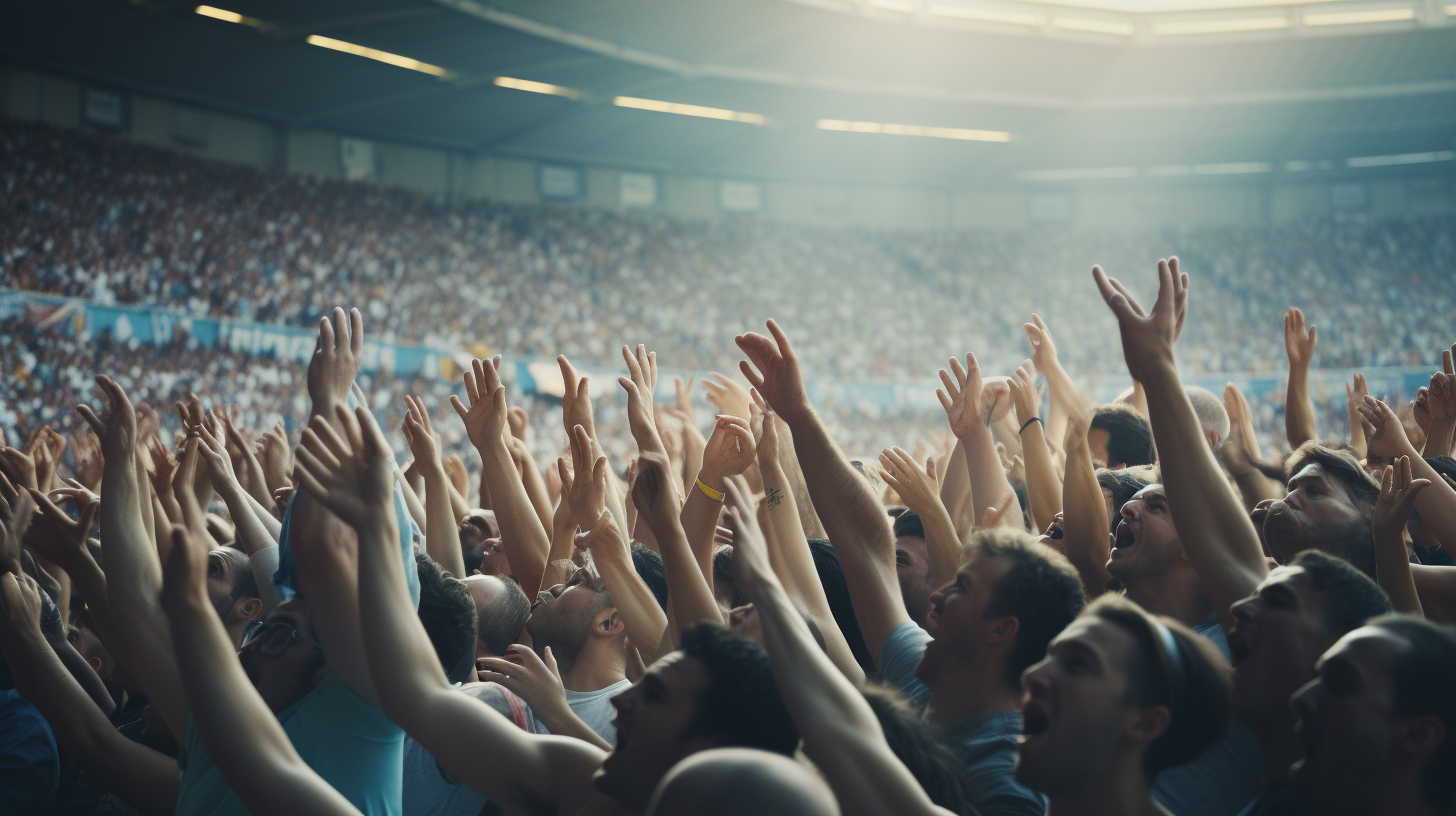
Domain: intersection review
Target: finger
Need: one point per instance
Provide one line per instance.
(1131, 301)
(1115, 299)
(748, 372)
(1387, 479)
(785, 348)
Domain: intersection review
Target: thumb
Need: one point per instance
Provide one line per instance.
(551, 663)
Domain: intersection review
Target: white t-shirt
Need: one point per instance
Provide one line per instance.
(594, 708)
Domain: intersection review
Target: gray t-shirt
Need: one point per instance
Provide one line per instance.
(595, 709)
(1227, 776)
(985, 744)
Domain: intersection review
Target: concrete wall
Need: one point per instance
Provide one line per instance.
(1192, 202)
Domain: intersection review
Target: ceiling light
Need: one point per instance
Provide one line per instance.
(1170, 170)
(229, 16)
(1352, 17)
(988, 15)
(1402, 158)
(1097, 26)
(1078, 174)
(537, 87)
(1450, 11)
(1221, 26)
(914, 130)
(375, 54)
(1232, 167)
(689, 110)
(902, 6)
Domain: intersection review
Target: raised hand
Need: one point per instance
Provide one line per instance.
(1043, 350)
(526, 675)
(16, 510)
(762, 420)
(918, 488)
(1441, 399)
(56, 536)
(1024, 394)
(118, 434)
(751, 566)
(639, 398)
(605, 539)
(725, 395)
(1299, 343)
(20, 606)
(1397, 496)
(459, 476)
(730, 450)
(20, 467)
(485, 420)
(653, 491)
(1355, 394)
(586, 489)
(1384, 436)
(86, 457)
(276, 456)
(961, 397)
(518, 420)
(1147, 339)
(214, 451)
(684, 403)
(419, 434)
(353, 474)
(575, 403)
(996, 516)
(774, 371)
(336, 359)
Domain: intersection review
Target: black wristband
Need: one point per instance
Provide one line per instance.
(1028, 424)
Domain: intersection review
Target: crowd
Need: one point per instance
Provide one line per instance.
(234, 584)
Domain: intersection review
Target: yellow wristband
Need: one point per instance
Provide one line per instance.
(715, 495)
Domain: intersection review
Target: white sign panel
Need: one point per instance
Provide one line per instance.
(356, 156)
(638, 189)
(740, 196)
(560, 182)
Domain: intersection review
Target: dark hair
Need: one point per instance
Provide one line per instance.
(836, 591)
(499, 624)
(1423, 676)
(1198, 694)
(909, 524)
(1040, 588)
(1123, 486)
(245, 584)
(1349, 596)
(724, 587)
(1129, 436)
(448, 614)
(741, 702)
(649, 568)
(1443, 465)
(1340, 466)
(473, 554)
(917, 744)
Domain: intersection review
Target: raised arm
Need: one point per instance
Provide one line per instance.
(1212, 525)
(970, 418)
(1386, 438)
(1240, 454)
(142, 777)
(133, 573)
(1063, 397)
(525, 772)
(252, 534)
(789, 550)
(840, 731)
(242, 735)
(917, 489)
(1299, 345)
(850, 511)
(1086, 540)
(1355, 392)
(525, 541)
(1398, 492)
(1441, 396)
(442, 532)
(1043, 488)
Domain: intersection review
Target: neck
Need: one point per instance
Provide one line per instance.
(1114, 794)
(963, 694)
(1402, 797)
(597, 667)
(1179, 597)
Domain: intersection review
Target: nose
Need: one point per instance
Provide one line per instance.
(1243, 611)
(1129, 510)
(1035, 676)
(1303, 702)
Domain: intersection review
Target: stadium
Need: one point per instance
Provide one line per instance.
(186, 190)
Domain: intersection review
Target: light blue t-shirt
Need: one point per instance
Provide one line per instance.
(351, 744)
(985, 744)
(1227, 776)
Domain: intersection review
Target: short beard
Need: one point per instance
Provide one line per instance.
(1352, 541)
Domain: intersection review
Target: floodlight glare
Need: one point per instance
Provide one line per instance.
(689, 110)
(914, 130)
(381, 56)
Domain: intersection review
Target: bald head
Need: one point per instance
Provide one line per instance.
(741, 782)
(501, 609)
(1213, 418)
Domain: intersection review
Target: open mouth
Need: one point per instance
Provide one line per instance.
(1125, 536)
(542, 598)
(1238, 647)
(1035, 720)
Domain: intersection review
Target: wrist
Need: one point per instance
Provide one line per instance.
(713, 479)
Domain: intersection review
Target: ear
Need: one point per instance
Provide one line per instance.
(1419, 736)
(1003, 629)
(95, 664)
(1148, 724)
(1212, 438)
(608, 622)
(248, 608)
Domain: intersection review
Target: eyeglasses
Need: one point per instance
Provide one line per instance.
(271, 639)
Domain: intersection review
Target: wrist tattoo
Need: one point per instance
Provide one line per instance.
(774, 496)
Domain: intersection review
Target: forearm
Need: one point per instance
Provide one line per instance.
(1393, 571)
(522, 536)
(1298, 410)
(265, 516)
(813, 528)
(412, 504)
(644, 620)
(1357, 435)
(536, 491)
(1043, 488)
(250, 530)
(988, 478)
(955, 490)
(793, 563)
(688, 589)
(693, 446)
(1215, 531)
(699, 519)
(86, 677)
(1085, 524)
(1439, 438)
(458, 504)
(251, 477)
(1255, 487)
(264, 564)
(1437, 503)
(442, 532)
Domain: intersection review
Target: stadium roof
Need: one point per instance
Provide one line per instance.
(867, 91)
